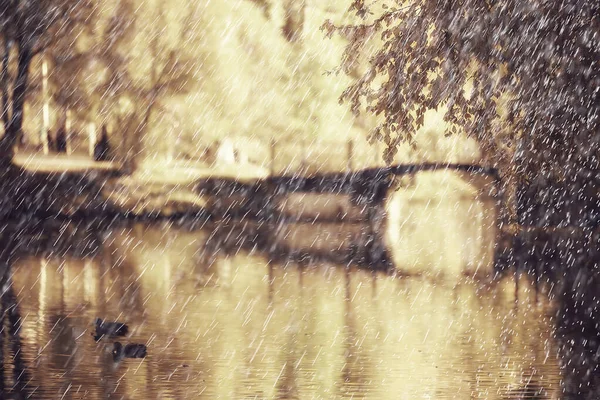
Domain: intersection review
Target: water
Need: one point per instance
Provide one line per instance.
(234, 326)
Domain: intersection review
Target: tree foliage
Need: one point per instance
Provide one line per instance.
(522, 77)
(136, 89)
(122, 71)
(26, 29)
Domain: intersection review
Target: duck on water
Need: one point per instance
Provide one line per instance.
(109, 329)
(130, 350)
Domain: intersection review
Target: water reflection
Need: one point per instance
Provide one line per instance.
(11, 328)
(235, 326)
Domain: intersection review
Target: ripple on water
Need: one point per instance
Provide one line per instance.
(259, 330)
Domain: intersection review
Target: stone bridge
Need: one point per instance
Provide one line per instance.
(361, 214)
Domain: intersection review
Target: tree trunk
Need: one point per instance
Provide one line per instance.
(4, 83)
(132, 146)
(134, 141)
(293, 27)
(15, 123)
(509, 211)
(130, 162)
(45, 108)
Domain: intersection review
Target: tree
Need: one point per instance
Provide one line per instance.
(294, 19)
(135, 89)
(26, 29)
(71, 75)
(123, 72)
(520, 77)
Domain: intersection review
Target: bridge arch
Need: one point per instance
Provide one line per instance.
(443, 222)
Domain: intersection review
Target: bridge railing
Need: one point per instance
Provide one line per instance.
(282, 157)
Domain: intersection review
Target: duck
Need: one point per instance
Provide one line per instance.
(109, 329)
(130, 350)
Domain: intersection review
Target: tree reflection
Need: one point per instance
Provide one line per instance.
(11, 326)
(287, 385)
(578, 334)
(357, 366)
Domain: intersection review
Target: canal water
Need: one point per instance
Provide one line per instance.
(235, 326)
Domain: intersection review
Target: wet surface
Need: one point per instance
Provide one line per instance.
(236, 326)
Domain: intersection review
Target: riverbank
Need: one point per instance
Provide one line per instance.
(75, 186)
(437, 215)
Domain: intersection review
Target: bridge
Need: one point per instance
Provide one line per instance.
(365, 185)
(354, 215)
(369, 186)
(369, 180)
(359, 214)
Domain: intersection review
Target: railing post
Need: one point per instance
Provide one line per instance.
(272, 157)
(91, 138)
(68, 130)
(377, 153)
(350, 151)
(303, 165)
